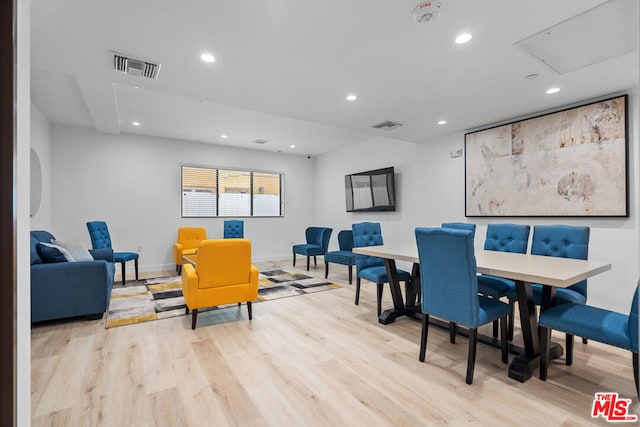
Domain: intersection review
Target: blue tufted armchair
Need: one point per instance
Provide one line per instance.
(233, 229)
(344, 256)
(512, 238)
(369, 267)
(100, 239)
(564, 241)
(317, 244)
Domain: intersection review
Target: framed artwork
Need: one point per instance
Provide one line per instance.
(569, 163)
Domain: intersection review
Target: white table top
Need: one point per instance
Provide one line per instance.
(554, 271)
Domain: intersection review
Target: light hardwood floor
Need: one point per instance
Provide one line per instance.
(313, 360)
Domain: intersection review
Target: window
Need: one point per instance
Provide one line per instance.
(211, 192)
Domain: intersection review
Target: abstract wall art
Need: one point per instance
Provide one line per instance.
(569, 163)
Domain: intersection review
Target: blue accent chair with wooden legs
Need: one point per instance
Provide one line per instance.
(317, 244)
(100, 239)
(233, 229)
(369, 267)
(564, 241)
(512, 238)
(456, 226)
(344, 256)
(450, 288)
(605, 326)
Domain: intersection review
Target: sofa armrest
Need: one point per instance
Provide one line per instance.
(104, 254)
(68, 289)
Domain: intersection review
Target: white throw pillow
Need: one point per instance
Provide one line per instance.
(62, 250)
(77, 251)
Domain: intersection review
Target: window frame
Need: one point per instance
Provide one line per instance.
(252, 191)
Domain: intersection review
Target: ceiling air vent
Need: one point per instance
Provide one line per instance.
(388, 125)
(261, 141)
(133, 66)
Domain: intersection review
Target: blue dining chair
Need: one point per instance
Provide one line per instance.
(564, 241)
(450, 288)
(372, 268)
(605, 326)
(344, 256)
(512, 238)
(461, 226)
(456, 226)
(100, 239)
(233, 229)
(317, 244)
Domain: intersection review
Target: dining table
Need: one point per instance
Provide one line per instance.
(523, 269)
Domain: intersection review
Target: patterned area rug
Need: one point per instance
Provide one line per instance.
(162, 298)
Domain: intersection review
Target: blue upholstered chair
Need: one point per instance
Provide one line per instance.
(456, 226)
(564, 241)
(590, 322)
(461, 226)
(369, 267)
(450, 288)
(344, 256)
(100, 239)
(233, 229)
(317, 244)
(503, 238)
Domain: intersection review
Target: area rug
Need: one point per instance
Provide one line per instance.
(162, 297)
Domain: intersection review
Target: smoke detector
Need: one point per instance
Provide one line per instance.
(426, 11)
(134, 66)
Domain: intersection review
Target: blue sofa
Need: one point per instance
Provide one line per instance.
(69, 289)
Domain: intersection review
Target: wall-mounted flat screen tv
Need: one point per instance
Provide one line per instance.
(371, 191)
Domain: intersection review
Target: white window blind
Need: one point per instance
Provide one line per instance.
(210, 192)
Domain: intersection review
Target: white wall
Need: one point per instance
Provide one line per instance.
(134, 184)
(41, 144)
(23, 297)
(431, 191)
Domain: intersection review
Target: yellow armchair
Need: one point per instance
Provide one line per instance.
(188, 240)
(223, 274)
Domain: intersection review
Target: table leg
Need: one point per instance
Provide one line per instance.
(389, 316)
(523, 365)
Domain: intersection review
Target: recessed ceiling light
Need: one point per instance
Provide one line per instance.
(207, 57)
(135, 123)
(553, 90)
(292, 146)
(223, 136)
(442, 122)
(351, 97)
(463, 38)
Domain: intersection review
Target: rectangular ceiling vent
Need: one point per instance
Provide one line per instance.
(388, 125)
(261, 141)
(133, 66)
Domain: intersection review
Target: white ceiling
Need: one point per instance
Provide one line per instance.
(283, 68)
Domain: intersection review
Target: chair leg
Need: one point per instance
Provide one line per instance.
(423, 336)
(380, 288)
(584, 341)
(452, 332)
(186, 310)
(249, 310)
(326, 269)
(350, 274)
(512, 307)
(308, 258)
(135, 263)
(294, 259)
(545, 338)
(124, 273)
(471, 361)
(315, 260)
(504, 345)
(635, 372)
(495, 329)
(569, 347)
(194, 316)
(357, 290)
(179, 269)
